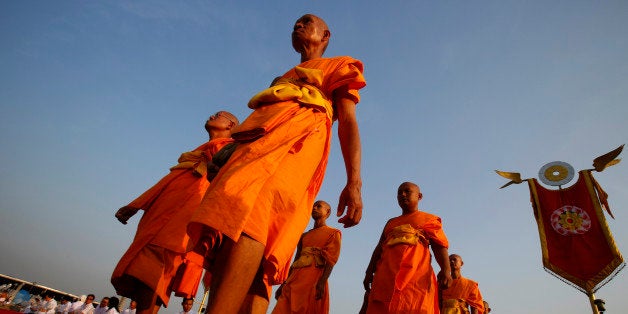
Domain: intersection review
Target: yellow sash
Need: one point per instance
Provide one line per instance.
(309, 255)
(406, 234)
(305, 90)
(196, 160)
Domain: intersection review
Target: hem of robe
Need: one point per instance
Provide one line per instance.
(153, 266)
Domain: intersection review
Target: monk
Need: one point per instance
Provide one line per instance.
(399, 277)
(147, 270)
(261, 199)
(463, 293)
(306, 290)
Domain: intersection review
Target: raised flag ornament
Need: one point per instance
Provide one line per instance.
(576, 242)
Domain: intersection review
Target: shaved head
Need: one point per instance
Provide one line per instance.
(231, 117)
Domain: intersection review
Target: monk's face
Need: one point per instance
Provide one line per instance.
(455, 262)
(309, 30)
(320, 210)
(220, 120)
(408, 195)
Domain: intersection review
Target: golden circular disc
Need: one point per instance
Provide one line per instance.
(556, 173)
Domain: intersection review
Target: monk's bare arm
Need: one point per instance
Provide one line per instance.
(370, 269)
(320, 284)
(349, 137)
(441, 254)
(328, 267)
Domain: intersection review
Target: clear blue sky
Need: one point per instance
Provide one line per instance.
(99, 98)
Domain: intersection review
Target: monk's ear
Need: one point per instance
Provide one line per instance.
(326, 35)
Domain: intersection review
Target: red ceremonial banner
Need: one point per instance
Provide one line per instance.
(576, 242)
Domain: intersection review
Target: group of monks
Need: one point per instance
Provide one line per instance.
(399, 277)
(236, 207)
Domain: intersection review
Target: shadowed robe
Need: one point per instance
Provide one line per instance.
(319, 247)
(404, 281)
(462, 293)
(160, 243)
(267, 188)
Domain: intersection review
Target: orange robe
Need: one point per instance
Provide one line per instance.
(161, 240)
(404, 281)
(267, 188)
(465, 290)
(319, 247)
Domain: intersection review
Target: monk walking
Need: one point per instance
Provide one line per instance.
(399, 277)
(260, 201)
(306, 290)
(145, 272)
(463, 292)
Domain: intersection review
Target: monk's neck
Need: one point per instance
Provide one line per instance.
(318, 224)
(456, 274)
(215, 134)
(310, 55)
(409, 211)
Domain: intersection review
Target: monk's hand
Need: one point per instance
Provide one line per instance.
(444, 280)
(123, 214)
(368, 279)
(351, 199)
(320, 290)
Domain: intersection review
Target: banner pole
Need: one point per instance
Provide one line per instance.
(200, 307)
(592, 301)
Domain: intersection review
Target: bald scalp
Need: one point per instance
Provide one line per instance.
(413, 185)
(231, 117)
(325, 204)
(323, 25)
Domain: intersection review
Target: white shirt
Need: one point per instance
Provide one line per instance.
(112, 310)
(100, 310)
(47, 307)
(64, 308)
(76, 305)
(86, 309)
(129, 311)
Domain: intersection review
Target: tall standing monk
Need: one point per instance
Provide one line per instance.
(306, 290)
(146, 271)
(260, 201)
(399, 277)
(463, 293)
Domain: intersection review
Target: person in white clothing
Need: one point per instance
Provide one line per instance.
(103, 306)
(87, 307)
(187, 304)
(131, 308)
(113, 305)
(64, 306)
(77, 303)
(48, 305)
(33, 304)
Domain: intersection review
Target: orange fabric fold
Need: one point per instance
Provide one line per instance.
(404, 281)
(268, 186)
(168, 207)
(466, 290)
(298, 294)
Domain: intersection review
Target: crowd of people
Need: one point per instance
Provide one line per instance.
(48, 304)
(235, 209)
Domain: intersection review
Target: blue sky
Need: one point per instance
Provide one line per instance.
(98, 99)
